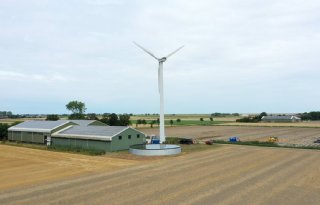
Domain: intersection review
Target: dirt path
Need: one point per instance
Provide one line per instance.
(225, 175)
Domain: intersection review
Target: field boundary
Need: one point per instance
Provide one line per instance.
(266, 144)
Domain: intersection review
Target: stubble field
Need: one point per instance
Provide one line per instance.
(227, 174)
(24, 166)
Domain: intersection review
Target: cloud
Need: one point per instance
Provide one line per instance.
(84, 50)
(12, 76)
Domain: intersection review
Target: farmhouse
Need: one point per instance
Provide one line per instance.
(287, 118)
(86, 134)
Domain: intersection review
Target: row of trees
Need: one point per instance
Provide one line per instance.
(116, 120)
(218, 114)
(5, 114)
(78, 113)
(202, 119)
(256, 118)
(310, 115)
(153, 122)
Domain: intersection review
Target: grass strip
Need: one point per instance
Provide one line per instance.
(266, 144)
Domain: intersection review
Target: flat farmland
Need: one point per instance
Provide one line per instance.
(228, 174)
(24, 166)
(287, 135)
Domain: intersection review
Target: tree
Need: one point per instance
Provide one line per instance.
(139, 121)
(105, 115)
(152, 122)
(211, 119)
(201, 119)
(262, 114)
(105, 120)
(178, 120)
(76, 116)
(171, 122)
(113, 119)
(77, 108)
(124, 120)
(92, 116)
(256, 118)
(52, 117)
(4, 131)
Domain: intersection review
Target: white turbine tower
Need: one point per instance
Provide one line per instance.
(160, 85)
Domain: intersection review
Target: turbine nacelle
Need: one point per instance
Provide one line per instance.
(162, 60)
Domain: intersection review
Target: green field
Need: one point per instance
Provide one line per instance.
(182, 123)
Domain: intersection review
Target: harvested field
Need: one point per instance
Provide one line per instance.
(311, 124)
(286, 135)
(24, 166)
(226, 175)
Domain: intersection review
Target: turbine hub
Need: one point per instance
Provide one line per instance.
(162, 59)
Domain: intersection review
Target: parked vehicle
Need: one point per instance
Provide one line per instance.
(234, 139)
(186, 141)
(273, 139)
(155, 139)
(209, 142)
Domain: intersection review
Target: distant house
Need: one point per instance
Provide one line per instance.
(86, 134)
(287, 118)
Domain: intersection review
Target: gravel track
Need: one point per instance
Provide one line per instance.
(225, 175)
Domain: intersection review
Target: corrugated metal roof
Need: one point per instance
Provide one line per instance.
(38, 125)
(94, 130)
(83, 122)
(287, 117)
(108, 131)
(91, 132)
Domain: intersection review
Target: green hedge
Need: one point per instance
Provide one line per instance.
(76, 150)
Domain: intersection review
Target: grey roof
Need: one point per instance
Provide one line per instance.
(91, 132)
(38, 125)
(83, 122)
(287, 117)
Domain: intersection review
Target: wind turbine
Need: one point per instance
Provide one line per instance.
(160, 86)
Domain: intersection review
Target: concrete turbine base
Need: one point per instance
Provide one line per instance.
(155, 149)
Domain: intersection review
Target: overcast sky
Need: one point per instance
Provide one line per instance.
(239, 56)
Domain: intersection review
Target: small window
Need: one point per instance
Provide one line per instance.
(120, 137)
(129, 137)
(138, 135)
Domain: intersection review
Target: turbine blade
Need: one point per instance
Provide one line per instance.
(151, 54)
(174, 52)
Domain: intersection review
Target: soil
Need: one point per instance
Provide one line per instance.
(229, 174)
(24, 166)
(286, 135)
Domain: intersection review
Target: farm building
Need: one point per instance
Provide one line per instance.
(287, 118)
(86, 134)
(36, 131)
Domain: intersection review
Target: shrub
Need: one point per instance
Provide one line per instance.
(81, 150)
(52, 117)
(4, 131)
(172, 140)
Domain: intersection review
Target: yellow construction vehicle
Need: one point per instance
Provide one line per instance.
(273, 139)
